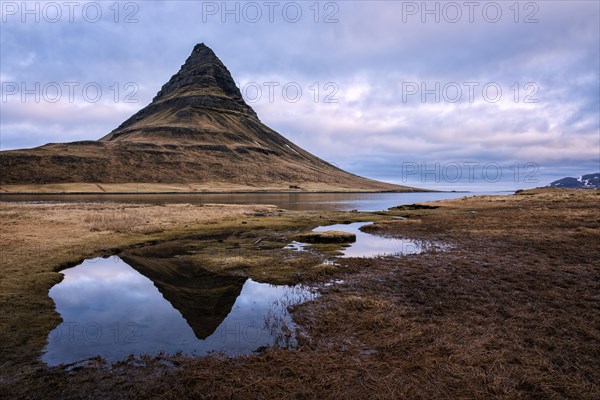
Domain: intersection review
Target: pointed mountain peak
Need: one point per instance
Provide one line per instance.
(201, 74)
(197, 134)
(203, 51)
(203, 86)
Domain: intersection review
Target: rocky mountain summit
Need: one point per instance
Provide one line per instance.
(203, 84)
(197, 134)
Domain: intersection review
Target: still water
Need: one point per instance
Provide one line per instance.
(290, 201)
(367, 245)
(110, 309)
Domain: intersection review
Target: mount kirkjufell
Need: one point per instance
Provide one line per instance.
(198, 134)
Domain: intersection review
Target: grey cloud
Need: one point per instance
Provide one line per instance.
(370, 46)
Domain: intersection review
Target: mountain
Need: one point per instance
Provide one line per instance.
(590, 181)
(197, 134)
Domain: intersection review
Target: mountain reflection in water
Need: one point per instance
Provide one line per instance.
(138, 304)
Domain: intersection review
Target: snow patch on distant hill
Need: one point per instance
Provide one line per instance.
(589, 181)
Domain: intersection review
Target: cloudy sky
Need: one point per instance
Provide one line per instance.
(462, 95)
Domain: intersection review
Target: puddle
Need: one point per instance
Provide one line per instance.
(297, 246)
(368, 245)
(334, 282)
(112, 310)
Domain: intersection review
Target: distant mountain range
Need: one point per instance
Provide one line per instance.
(590, 181)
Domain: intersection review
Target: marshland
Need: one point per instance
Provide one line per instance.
(507, 308)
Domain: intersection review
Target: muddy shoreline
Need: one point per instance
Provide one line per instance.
(511, 310)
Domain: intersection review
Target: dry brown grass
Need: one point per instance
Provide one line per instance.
(326, 237)
(192, 187)
(119, 222)
(36, 240)
(510, 311)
